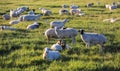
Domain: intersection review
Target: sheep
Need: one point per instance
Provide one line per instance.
(34, 25)
(112, 20)
(74, 6)
(63, 12)
(46, 12)
(60, 45)
(50, 33)
(29, 17)
(64, 6)
(32, 12)
(50, 55)
(14, 22)
(76, 12)
(93, 39)
(58, 24)
(90, 4)
(6, 28)
(6, 17)
(110, 7)
(67, 33)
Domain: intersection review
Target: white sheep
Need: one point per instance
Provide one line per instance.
(6, 17)
(14, 22)
(60, 45)
(50, 33)
(112, 7)
(6, 28)
(93, 39)
(74, 6)
(29, 17)
(46, 12)
(33, 26)
(58, 23)
(50, 55)
(67, 33)
(32, 12)
(75, 11)
(63, 12)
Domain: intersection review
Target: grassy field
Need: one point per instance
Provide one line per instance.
(21, 50)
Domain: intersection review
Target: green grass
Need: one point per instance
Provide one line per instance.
(21, 50)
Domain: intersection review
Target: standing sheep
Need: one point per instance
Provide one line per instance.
(50, 33)
(66, 33)
(50, 55)
(58, 24)
(93, 39)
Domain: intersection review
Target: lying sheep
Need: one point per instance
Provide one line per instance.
(33, 26)
(6, 28)
(60, 45)
(6, 17)
(50, 55)
(74, 6)
(77, 12)
(110, 7)
(50, 33)
(14, 22)
(63, 12)
(46, 12)
(58, 24)
(29, 17)
(67, 33)
(93, 39)
(32, 12)
(90, 4)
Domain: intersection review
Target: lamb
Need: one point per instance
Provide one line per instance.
(93, 39)
(63, 12)
(6, 17)
(14, 22)
(58, 24)
(29, 17)
(67, 33)
(60, 45)
(46, 12)
(33, 26)
(50, 33)
(50, 55)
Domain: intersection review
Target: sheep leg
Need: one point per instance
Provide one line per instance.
(73, 40)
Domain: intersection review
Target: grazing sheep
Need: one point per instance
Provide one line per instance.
(93, 39)
(58, 24)
(90, 4)
(63, 12)
(50, 33)
(14, 22)
(67, 33)
(6, 17)
(50, 55)
(46, 12)
(33, 26)
(29, 17)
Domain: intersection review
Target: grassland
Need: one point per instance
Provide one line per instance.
(22, 50)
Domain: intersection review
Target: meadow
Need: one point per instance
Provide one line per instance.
(22, 50)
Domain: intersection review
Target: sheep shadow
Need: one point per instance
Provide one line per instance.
(112, 46)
